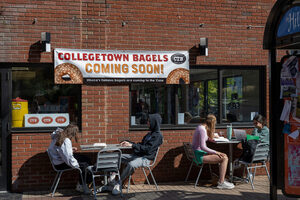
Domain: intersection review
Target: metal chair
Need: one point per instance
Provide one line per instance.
(261, 156)
(149, 168)
(108, 160)
(58, 175)
(189, 152)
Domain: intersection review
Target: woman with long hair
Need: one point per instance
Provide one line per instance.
(61, 151)
(203, 154)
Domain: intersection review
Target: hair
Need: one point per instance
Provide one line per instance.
(261, 119)
(210, 122)
(71, 131)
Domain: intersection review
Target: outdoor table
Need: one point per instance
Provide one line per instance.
(89, 147)
(230, 163)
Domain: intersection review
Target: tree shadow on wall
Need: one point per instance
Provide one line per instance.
(37, 174)
(34, 54)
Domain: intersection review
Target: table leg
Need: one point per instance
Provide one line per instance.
(230, 163)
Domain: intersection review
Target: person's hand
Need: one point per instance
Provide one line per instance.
(126, 144)
(74, 149)
(221, 155)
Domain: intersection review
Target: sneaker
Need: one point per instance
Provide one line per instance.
(79, 188)
(225, 185)
(104, 188)
(116, 190)
(111, 177)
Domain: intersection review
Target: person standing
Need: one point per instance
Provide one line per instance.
(204, 132)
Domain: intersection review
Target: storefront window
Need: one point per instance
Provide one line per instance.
(34, 92)
(233, 94)
(147, 99)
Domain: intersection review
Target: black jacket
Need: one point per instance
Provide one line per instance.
(151, 141)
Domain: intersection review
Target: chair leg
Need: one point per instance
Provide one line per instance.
(128, 183)
(56, 184)
(153, 178)
(254, 173)
(120, 181)
(249, 176)
(146, 176)
(186, 178)
(198, 176)
(54, 181)
(94, 186)
(267, 171)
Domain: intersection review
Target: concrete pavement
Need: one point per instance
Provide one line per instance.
(167, 191)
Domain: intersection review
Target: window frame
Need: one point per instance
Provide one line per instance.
(262, 98)
(38, 129)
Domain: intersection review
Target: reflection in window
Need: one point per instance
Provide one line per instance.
(148, 99)
(232, 95)
(240, 93)
(36, 86)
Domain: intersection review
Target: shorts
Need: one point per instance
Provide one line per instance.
(199, 156)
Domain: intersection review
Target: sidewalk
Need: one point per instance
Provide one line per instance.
(167, 191)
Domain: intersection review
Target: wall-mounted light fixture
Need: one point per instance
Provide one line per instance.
(45, 39)
(203, 46)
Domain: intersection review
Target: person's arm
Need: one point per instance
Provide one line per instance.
(264, 136)
(148, 147)
(66, 152)
(254, 132)
(203, 145)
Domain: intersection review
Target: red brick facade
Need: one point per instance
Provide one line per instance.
(234, 30)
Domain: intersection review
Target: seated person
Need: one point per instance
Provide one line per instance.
(143, 152)
(204, 154)
(61, 152)
(262, 131)
(261, 128)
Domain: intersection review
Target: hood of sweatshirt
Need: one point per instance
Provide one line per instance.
(155, 121)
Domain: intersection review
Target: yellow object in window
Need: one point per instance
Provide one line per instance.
(19, 109)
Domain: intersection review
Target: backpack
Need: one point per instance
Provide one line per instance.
(249, 147)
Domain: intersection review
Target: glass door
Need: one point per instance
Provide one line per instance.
(5, 110)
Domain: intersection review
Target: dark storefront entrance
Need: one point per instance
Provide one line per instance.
(5, 81)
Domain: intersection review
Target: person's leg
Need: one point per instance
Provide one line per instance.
(215, 159)
(134, 163)
(62, 166)
(83, 162)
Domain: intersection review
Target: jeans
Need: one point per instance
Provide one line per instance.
(132, 162)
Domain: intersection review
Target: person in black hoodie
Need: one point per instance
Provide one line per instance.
(143, 151)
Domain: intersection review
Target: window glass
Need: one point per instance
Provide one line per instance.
(147, 99)
(202, 95)
(39, 95)
(240, 95)
(231, 94)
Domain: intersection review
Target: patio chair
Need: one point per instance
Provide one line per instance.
(189, 152)
(59, 173)
(108, 160)
(260, 157)
(149, 168)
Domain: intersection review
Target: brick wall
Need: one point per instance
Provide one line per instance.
(124, 25)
